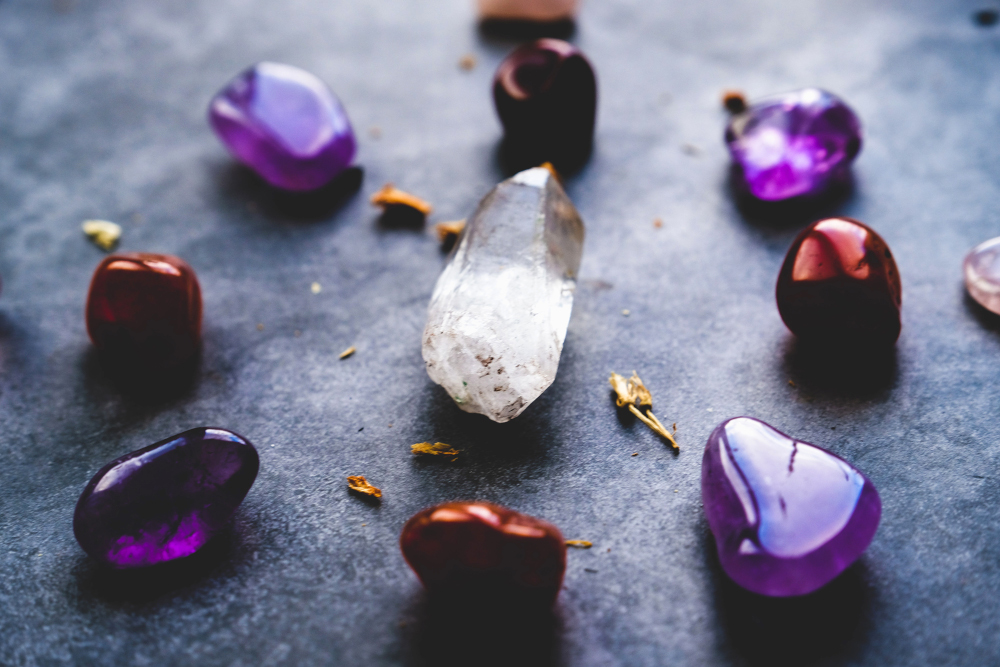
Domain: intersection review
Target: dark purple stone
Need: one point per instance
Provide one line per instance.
(167, 500)
(795, 145)
(787, 516)
(286, 124)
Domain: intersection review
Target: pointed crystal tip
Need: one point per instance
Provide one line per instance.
(499, 312)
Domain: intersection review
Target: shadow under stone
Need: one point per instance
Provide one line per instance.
(142, 585)
(242, 183)
(795, 212)
(450, 633)
(137, 383)
(793, 631)
(987, 319)
(851, 372)
(519, 30)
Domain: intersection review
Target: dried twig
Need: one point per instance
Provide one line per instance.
(633, 393)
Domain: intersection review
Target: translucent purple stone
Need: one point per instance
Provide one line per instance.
(787, 516)
(286, 124)
(167, 500)
(795, 145)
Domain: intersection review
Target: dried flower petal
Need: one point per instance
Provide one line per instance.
(633, 392)
(103, 233)
(621, 387)
(579, 544)
(449, 230)
(393, 196)
(437, 449)
(361, 485)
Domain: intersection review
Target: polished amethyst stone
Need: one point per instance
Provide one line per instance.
(794, 145)
(787, 516)
(167, 500)
(285, 124)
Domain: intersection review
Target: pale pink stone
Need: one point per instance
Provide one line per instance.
(982, 274)
(528, 10)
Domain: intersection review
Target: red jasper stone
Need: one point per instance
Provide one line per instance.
(546, 96)
(840, 285)
(484, 551)
(145, 309)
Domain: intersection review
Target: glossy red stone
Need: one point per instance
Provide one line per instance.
(546, 96)
(839, 285)
(481, 551)
(145, 309)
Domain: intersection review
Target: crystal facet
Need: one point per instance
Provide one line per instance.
(144, 310)
(787, 516)
(839, 285)
(546, 96)
(794, 145)
(982, 274)
(165, 501)
(527, 10)
(477, 549)
(286, 124)
(499, 312)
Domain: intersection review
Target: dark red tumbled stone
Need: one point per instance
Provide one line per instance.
(486, 552)
(145, 308)
(546, 96)
(840, 285)
(167, 500)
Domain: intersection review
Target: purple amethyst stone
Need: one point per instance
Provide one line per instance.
(795, 145)
(167, 500)
(285, 124)
(787, 516)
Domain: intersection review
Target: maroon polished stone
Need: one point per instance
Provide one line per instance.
(145, 309)
(165, 501)
(484, 551)
(546, 96)
(840, 285)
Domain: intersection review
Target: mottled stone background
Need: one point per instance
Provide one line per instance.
(102, 114)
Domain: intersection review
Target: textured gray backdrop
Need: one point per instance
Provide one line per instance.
(102, 106)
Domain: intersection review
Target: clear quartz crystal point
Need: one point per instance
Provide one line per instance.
(499, 312)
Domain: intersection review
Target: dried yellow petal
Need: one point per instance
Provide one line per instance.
(633, 392)
(348, 352)
(579, 544)
(447, 230)
(103, 233)
(640, 394)
(361, 485)
(437, 449)
(621, 387)
(393, 196)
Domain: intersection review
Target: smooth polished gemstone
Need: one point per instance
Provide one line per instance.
(787, 516)
(982, 274)
(477, 549)
(794, 145)
(528, 10)
(286, 124)
(840, 285)
(546, 96)
(167, 500)
(145, 309)
(498, 316)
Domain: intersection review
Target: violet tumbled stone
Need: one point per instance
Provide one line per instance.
(167, 500)
(787, 516)
(795, 145)
(286, 124)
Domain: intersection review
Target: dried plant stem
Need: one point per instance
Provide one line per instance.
(654, 424)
